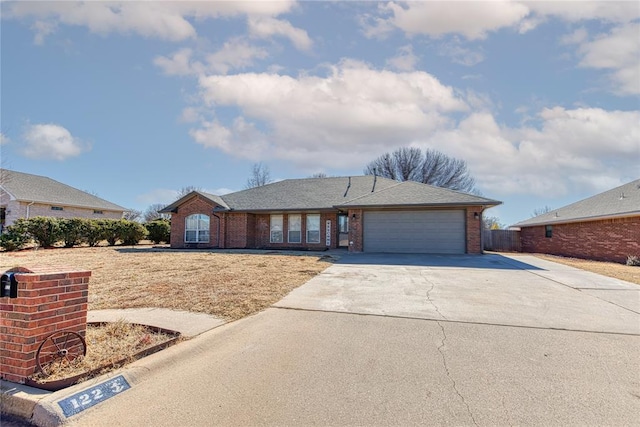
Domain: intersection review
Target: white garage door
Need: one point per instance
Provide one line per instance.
(436, 232)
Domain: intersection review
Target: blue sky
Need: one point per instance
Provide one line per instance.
(133, 101)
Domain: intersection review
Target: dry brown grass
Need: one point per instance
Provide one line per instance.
(228, 285)
(610, 269)
(109, 346)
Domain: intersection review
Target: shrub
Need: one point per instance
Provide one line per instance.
(131, 232)
(44, 230)
(633, 260)
(159, 230)
(73, 231)
(94, 232)
(111, 230)
(14, 237)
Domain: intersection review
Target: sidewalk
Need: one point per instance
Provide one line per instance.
(37, 406)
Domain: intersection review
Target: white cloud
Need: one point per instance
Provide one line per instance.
(4, 139)
(159, 195)
(569, 149)
(163, 20)
(265, 27)
(50, 141)
(321, 121)
(473, 20)
(405, 60)
(235, 54)
(459, 54)
(619, 51)
(179, 63)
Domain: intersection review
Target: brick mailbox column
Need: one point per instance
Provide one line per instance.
(48, 300)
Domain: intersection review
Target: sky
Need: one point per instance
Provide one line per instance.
(135, 100)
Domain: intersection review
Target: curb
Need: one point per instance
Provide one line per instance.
(42, 407)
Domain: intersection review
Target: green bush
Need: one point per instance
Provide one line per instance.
(94, 232)
(159, 230)
(14, 237)
(131, 232)
(112, 231)
(73, 231)
(44, 230)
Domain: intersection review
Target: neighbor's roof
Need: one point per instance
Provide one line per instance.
(40, 189)
(337, 192)
(619, 202)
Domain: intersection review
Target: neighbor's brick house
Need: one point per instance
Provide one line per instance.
(603, 227)
(362, 213)
(24, 195)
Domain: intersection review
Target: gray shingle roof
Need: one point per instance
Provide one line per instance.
(331, 193)
(34, 188)
(212, 197)
(411, 193)
(618, 202)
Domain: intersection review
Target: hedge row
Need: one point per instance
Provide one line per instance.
(47, 232)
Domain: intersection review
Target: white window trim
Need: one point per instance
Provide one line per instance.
(308, 229)
(271, 231)
(289, 230)
(197, 229)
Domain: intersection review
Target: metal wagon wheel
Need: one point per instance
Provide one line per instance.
(58, 349)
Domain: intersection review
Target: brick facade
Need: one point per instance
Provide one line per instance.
(606, 240)
(48, 301)
(245, 230)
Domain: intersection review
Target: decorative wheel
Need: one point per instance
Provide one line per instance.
(58, 350)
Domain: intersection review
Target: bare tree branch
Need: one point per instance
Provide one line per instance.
(260, 175)
(432, 167)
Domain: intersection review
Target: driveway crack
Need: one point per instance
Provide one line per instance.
(429, 295)
(446, 368)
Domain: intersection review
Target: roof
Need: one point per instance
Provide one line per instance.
(338, 192)
(211, 197)
(619, 202)
(40, 189)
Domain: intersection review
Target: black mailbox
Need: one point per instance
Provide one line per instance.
(8, 285)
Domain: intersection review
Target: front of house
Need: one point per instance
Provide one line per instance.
(361, 213)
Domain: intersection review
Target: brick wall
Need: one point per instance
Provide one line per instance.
(195, 205)
(355, 231)
(606, 240)
(262, 232)
(49, 300)
(236, 226)
(474, 230)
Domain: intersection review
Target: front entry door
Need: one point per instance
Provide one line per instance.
(343, 231)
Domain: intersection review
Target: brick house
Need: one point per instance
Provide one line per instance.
(23, 195)
(602, 227)
(361, 213)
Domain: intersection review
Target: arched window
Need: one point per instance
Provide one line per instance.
(196, 229)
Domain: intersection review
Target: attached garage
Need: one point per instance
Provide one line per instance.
(418, 231)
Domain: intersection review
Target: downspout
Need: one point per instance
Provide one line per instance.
(218, 229)
(29, 209)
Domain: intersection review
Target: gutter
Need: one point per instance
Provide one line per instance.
(28, 210)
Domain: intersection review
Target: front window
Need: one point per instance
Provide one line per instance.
(313, 228)
(295, 228)
(197, 229)
(276, 229)
(548, 231)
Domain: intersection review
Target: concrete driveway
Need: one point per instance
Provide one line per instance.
(405, 340)
(518, 290)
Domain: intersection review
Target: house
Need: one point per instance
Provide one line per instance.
(361, 213)
(602, 227)
(23, 195)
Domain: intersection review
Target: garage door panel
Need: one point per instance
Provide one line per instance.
(415, 231)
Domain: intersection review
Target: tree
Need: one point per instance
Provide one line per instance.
(132, 215)
(319, 175)
(492, 223)
(431, 167)
(541, 211)
(152, 213)
(260, 175)
(186, 190)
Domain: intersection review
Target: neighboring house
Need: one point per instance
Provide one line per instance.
(362, 213)
(603, 227)
(23, 195)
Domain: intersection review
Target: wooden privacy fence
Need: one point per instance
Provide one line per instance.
(501, 240)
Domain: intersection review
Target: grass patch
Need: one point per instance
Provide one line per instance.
(611, 269)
